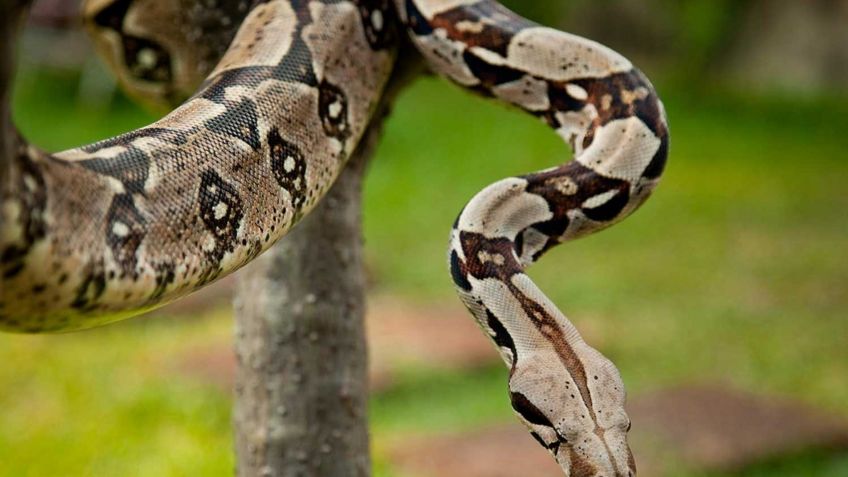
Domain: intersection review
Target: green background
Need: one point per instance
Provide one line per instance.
(734, 272)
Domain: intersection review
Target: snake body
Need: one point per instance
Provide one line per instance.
(105, 231)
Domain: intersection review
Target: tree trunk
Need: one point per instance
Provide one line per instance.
(301, 387)
(11, 16)
(301, 384)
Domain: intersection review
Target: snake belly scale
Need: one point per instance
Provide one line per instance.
(106, 231)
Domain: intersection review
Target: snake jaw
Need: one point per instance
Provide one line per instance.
(596, 452)
(573, 465)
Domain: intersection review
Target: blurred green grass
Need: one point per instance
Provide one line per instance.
(735, 272)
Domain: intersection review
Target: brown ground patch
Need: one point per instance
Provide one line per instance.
(400, 335)
(444, 336)
(716, 428)
(503, 451)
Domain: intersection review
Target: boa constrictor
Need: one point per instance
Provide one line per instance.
(105, 231)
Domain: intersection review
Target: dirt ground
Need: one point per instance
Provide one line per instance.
(399, 334)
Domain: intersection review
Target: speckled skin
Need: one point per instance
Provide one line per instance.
(104, 231)
(569, 395)
(94, 234)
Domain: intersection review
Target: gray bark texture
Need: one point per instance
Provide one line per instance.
(12, 13)
(301, 382)
(301, 385)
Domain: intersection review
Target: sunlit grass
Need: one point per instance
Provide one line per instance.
(735, 271)
(103, 403)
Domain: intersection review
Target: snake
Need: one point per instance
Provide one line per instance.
(109, 230)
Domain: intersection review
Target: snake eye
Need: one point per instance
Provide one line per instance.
(147, 60)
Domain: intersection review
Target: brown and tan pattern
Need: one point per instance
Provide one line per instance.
(106, 231)
(570, 396)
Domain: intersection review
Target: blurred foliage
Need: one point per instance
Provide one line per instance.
(695, 31)
(761, 44)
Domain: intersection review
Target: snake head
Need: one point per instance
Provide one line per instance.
(578, 416)
(161, 51)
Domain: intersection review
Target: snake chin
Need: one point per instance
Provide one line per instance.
(587, 452)
(573, 465)
(598, 454)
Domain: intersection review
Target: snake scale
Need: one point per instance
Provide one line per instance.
(106, 231)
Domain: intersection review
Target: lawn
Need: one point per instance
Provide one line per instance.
(735, 272)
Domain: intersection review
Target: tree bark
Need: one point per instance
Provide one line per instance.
(12, 14)
(301, 385)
